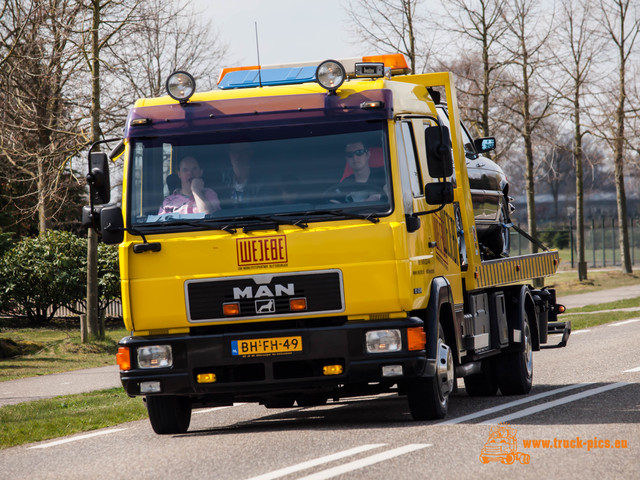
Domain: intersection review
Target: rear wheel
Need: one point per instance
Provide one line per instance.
(169, 414)
(429, 396)
(515, 369)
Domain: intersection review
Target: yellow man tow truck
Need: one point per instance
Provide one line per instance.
(306, 232)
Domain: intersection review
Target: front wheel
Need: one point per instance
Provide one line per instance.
(169, 414)
(429, 396)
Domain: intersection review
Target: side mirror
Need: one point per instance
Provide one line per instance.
(98, 178)
(112, 225)
(439, 158)
(438, 193)
(485, 144)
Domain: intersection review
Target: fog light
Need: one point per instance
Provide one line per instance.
(231, 308)
(155, 356)
(206, 378)
(381, 341)
(392, 371)
(332, 370)
(150, 387)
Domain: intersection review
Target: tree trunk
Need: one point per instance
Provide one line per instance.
(93, 326)
(577, 154)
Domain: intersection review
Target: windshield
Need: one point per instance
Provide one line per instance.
(290, 175)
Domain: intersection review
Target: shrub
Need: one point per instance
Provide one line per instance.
(40, 275)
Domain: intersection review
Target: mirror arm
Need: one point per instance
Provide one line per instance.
(427, 212)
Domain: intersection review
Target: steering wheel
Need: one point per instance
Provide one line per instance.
(355, 193)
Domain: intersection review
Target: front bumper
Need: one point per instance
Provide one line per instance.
(254, 378)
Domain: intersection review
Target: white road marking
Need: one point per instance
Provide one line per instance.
(315, 462)
(515, 403)
(365, 462)
(632, 370)
(581, 331)
(617, 324)
(208, 410)
(554, 403)
(78, 438)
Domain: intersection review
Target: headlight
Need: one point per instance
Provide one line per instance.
(155, 356)
(330, 75)
(381, 341)
(180, 86)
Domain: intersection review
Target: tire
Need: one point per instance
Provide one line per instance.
(515, 369)
(169, 414)
(429, 396)
(482, 384)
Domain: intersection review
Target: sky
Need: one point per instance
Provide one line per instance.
(288, 30)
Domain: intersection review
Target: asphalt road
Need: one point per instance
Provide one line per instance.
(584, 395)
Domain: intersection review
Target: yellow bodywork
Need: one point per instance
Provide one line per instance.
(386, 270)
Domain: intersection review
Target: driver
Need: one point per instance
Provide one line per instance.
(192, 196)
(357, 155)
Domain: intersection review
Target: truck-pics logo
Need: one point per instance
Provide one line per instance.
(502, 446)
(262, 251)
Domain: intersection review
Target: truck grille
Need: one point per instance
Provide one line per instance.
(264, 295)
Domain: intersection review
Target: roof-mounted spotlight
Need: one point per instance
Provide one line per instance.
(180, 86)
(330, 75)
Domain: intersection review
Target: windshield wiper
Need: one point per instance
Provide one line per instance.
(266, 221)
(372, 217)
(204, 224)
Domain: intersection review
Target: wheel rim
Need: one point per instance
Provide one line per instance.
(528, 350)
(445, 371)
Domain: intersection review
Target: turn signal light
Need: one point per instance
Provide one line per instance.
(298, 304)
(416, 338)
(123, 357)
(231, 309)
(561, 308)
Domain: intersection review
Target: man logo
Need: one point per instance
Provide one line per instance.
(266, 306)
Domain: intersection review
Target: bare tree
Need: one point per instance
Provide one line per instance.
(482, 22)
(170, 36)
(526, 43)
(576, 32)
(391, 26)
(621, 24)
(38, 125)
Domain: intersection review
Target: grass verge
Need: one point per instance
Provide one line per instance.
(52, 350)
(566, 283)
(579, 322)
(52, 418)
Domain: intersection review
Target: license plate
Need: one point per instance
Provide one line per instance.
(266, 346)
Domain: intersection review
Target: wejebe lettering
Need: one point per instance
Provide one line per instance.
(262, 250)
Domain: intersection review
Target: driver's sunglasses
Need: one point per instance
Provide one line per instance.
(359, 152)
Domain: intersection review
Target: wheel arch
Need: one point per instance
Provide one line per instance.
(440, 311)
(521, 302)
